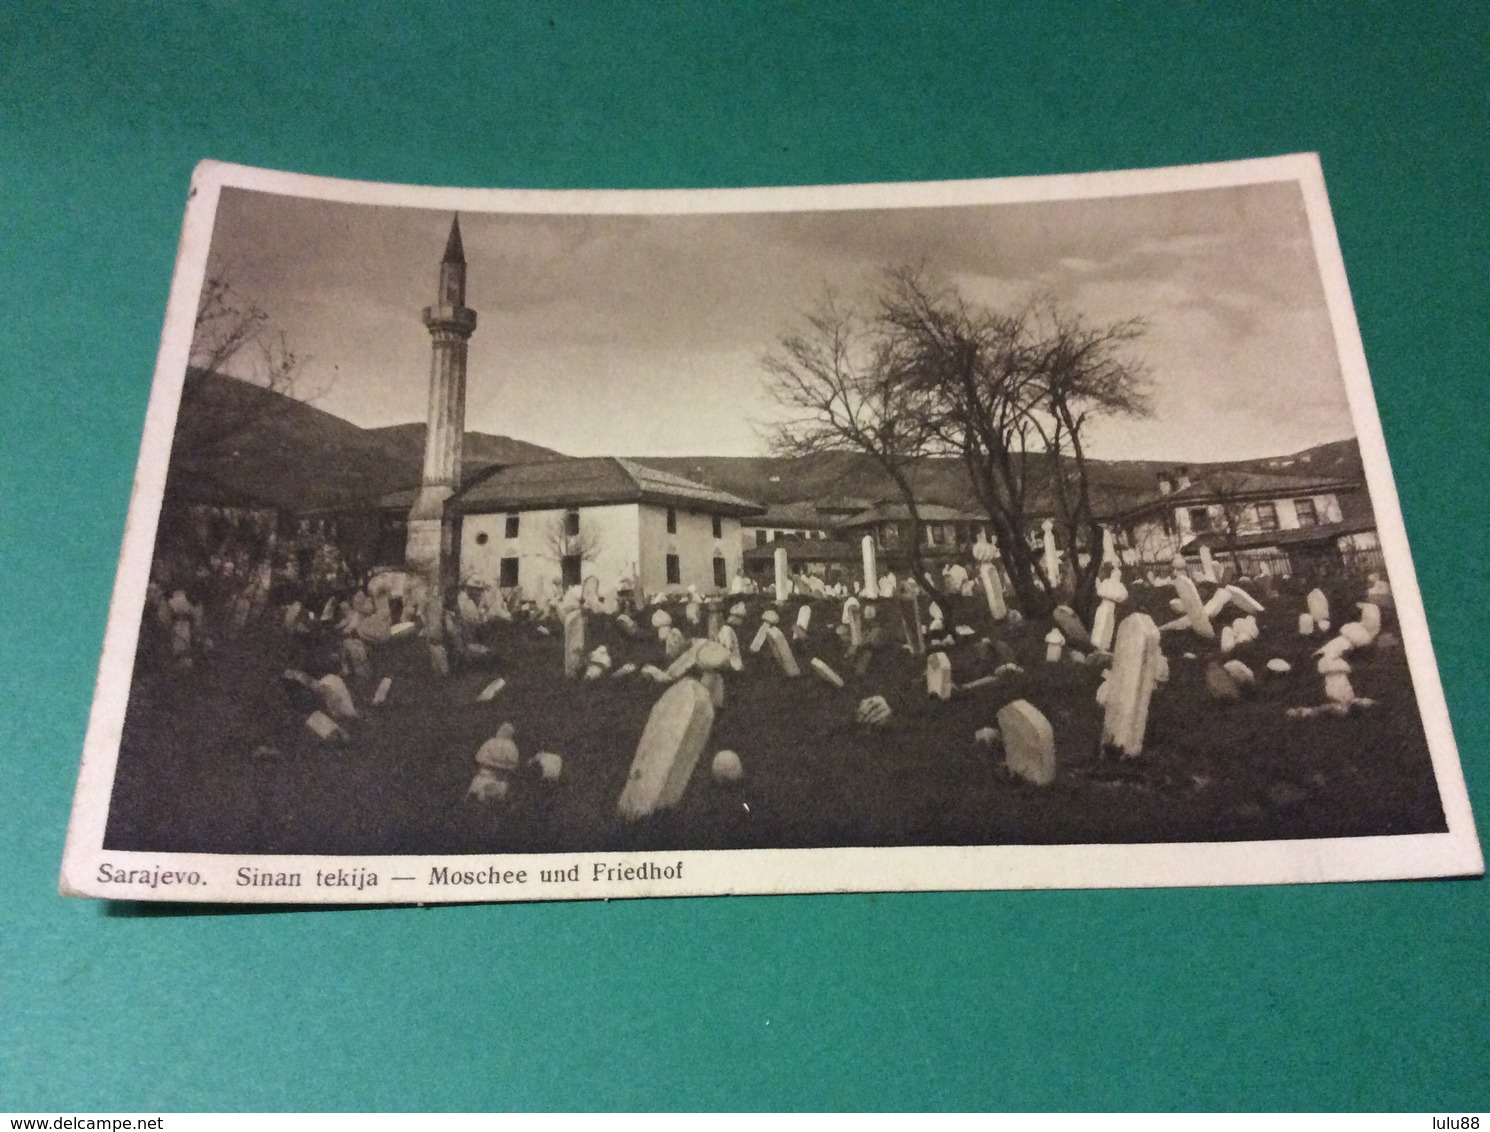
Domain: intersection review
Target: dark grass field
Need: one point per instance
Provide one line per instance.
(218, 760)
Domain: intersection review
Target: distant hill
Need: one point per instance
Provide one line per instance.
(481, 449)
(1116, 484)
(239, 443)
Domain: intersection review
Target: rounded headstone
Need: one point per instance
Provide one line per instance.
(726, 767)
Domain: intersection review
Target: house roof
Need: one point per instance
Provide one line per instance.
(1294, 536)
(1228, 486)
(590, 481)
(901, 513)
(803, 515)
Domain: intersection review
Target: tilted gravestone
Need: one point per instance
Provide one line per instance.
(1130, 684)
(1190, 600)
(782, 651)
(1070, 625)
(827, 673)
(672, 740)
(1029, 742)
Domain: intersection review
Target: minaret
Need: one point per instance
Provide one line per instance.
(429, 549)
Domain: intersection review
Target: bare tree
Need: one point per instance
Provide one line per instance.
(584, 542)
(1012, 396)
(840, 384)
(1229, 490)
(233, 338)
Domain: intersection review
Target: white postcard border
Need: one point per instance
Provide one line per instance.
(88, 869)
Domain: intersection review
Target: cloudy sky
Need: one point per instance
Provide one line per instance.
(638, 335)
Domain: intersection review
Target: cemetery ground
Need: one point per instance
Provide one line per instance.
(218, 758)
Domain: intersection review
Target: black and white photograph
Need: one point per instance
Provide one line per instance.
(495, 545)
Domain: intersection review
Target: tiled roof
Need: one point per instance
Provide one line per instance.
(592, 481)
(901, 513)
(1236, 486)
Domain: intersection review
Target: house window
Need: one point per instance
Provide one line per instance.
(508, 579)
(571, 525)
(718, 526)
(672, 520)
(1200, 519)
(1267, 517)
(760, 537)
(720, 579)
(674, 569)
(571, 565)
(512, 523)
(1308, 517)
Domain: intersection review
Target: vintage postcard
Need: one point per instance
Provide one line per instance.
(502, 545)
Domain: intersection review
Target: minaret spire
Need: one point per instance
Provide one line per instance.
(430, 548)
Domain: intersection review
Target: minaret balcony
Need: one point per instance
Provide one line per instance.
(454, 320)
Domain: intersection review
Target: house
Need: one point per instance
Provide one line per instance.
(527, 526)
(945, 531)
(807, 519)
(1272, 524)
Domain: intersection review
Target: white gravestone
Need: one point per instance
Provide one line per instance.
(939, 676)
(1207, 563)
(574, 643)
(871, 567)
(676, 733)
(993, 590)
(1112, 593)
(1130, 684)
(804, 619)
(1029, 742)
(783, 575)
(1194, 611)
(782, 651)
(1319, 606)
(827, 673)
(1052, 558)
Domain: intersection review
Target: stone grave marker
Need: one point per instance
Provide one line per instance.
(672, 740)
(1070, 625)
(760, 637)
(871, 567)
(1112, 593)
(783, 575)
(1306, 625)
(1217, 602)
(1244, 601)
(380, 696)
(489, 693)
(731, 640)
(804, 619)
(1054, 646)
(939, 676)
(685, 660)
(574, 642)
(1029, 742)
(589, 594)
(1319, 606)
(1130, 684)
(873, 711)
(439, 660)
(827, 673)
(781, 649)
(1207, 563)
(324, 727)
(1194, 611)
(1240, 673)
(715, 619)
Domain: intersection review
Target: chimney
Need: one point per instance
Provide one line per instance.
(1182, 477)
(1165, 485)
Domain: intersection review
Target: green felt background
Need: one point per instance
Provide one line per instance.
(1332, 996)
